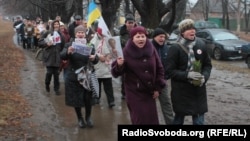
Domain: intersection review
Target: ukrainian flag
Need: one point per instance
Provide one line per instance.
(93, 13)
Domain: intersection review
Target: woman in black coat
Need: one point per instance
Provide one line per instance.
(75, 94)
(53, 42)
(188, 98)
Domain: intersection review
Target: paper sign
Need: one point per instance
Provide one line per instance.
(81, 49)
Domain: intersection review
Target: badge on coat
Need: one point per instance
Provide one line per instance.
(199, 51)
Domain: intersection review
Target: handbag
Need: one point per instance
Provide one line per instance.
(39, 54)
(86, 76)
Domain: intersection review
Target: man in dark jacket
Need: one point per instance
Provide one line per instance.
(18, 26)
(189, 67)
(159, 39)
(124, 36)
(73, 25)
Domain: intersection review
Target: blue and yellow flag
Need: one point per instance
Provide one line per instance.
(93, 13)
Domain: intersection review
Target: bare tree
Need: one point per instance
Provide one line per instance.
(225, 15)
(152, 12)
(247, 16)
(205, 7)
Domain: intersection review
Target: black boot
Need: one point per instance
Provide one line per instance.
(81, 123)
(47, 88)
(89, 122)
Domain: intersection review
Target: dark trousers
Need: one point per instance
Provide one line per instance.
(52, 71)
(24, 41)
(108, 88)
(197, 119)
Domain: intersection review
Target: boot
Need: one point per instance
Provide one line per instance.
(89, 122)
(47, 88)
(81, 123)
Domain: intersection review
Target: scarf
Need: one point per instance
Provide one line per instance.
(189, 44)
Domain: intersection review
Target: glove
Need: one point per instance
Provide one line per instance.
(202, 80)
(194, 75)
(198, 82)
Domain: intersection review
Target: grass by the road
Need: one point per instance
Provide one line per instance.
(13, 107)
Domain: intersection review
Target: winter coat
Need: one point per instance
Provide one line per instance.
(143, 74)
(102, 68)
(51, 54)
(188, 99)
(162, 52)
(71, 29)
(124, 35)
(74, 91)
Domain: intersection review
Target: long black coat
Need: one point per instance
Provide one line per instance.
(188, 99)
(74, 91)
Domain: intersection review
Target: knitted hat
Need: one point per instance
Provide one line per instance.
(186, 25)
(80, 28)
(157, 32)
(129, 17)
(137, 29)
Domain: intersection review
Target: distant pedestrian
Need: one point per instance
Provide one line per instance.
(144, 77)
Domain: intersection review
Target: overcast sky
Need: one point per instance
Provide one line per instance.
(193, 1)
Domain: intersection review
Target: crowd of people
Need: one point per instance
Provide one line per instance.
(145, 69)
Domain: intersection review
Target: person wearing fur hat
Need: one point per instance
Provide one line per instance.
(75, 94)
(144, 77)
(189, 67)
(159, 42)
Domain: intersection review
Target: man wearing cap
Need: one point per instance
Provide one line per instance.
(124, 36)
(73, 25)
(189, 67)
(159, 38)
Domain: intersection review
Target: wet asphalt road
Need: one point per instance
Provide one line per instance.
(59, 122)
(228, 100)
(61, 119)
